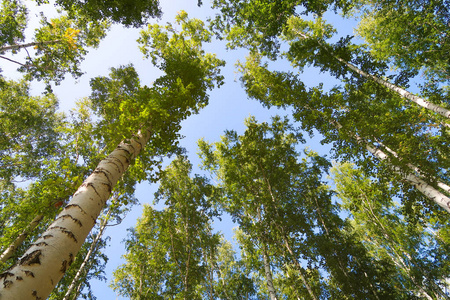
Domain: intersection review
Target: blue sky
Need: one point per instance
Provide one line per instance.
(228, 106)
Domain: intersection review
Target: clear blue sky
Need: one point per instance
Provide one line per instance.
(228, 107)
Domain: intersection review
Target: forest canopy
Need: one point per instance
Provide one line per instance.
(323, 168)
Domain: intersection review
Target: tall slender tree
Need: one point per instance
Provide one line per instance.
(379, 222)
(182, 91)
(355, 128)
(283, 207)
(166, 250)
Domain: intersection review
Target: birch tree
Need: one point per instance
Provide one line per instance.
(68, 154)
(57, 47)
(304, 35)
(182, 91)
(261, 27)
(167, 248)
(412, 35)
(379, 222)
(285, 211)
(335, 116)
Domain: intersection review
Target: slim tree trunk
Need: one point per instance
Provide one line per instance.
(268, 273)
(21, 46)
(426, 189)
(21, 238)
(413, 168)
(43, 265)
(402, 92)
(299, 267)
(87, 257)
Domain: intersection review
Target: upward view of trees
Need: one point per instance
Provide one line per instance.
(367, 218)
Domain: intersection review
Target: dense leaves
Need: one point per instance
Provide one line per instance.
(168, 251)
(129, 12)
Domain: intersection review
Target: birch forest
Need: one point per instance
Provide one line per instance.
(225, 149)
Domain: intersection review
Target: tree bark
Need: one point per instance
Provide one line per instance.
(43, 265)
(87, 257)
(400, 91)
(18, 47)
(21, 238)
(426, 189)
(413, 168)
(268, 273)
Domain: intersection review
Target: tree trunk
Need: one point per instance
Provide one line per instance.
(413, 168)
(43, 265)
(87, 257)
(282, 231)
(299, 267)
(402, 92)
(427, 190)
(21, 238)
(18, 47)
(268, 273)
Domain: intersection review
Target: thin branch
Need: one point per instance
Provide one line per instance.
(16, 62)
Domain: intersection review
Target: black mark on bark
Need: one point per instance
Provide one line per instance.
(32, 258)
(77, 206)
(78, 222)
(104, 172)
(29, 274)
(34, 294)
(127, 159)
(115, 161)
(93, 187)
(6, 283)
(64, 266)
(41, 244)
(66, 232)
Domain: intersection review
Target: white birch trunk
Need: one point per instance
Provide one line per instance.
(440, 184)
(268, 272)
(20, 46)
(43, 265)
(429, 191)
(402, 92)
(19, 240)
(86, 258)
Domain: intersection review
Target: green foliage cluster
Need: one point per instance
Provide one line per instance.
(13, 20)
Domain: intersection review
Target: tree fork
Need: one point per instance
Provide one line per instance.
(45, 262)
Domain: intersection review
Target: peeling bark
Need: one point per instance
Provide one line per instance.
(44, 264)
